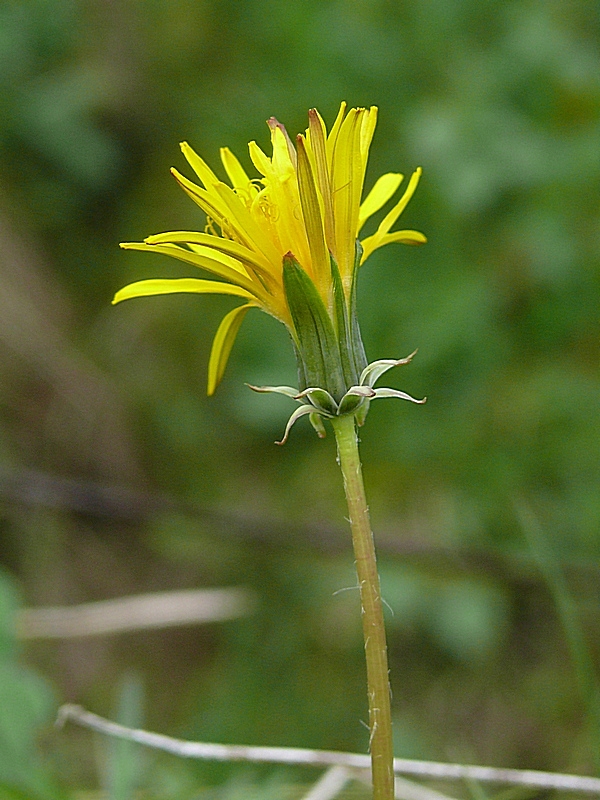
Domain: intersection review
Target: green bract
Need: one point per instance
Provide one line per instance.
(318, 403)
(329, 350)
(334, 377)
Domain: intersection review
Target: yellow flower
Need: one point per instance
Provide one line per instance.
(305, 212)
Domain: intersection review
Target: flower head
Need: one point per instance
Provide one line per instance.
(301, 219)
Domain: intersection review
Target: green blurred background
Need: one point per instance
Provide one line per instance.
(118, 475)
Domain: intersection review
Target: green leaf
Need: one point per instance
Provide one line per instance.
(27, 704)
(123, 763)
(8, 792)
(9, 605)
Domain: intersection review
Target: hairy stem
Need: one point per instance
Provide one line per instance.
(378, 686)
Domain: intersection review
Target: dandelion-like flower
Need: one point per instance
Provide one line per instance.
(287, 243)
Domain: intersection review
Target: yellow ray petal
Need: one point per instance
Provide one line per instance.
(384, 188)
(365, 127)
(200, 167)
(261, 161)
(208, 263)
(248, 257)
(209, 203)
(279, 201)
(242, 222)
(273, 124)
(317, 139)
(222, 258)
(313, 220)
(237, 174)
(393, 215)
(405, 237)
(372, 243)
(366, 132)
(343, 178)
(281, 161)
(156, 286)
(332, 138)
(222, 344)
(223, 205)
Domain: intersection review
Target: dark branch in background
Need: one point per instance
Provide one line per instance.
(119, 504)
(35, 488)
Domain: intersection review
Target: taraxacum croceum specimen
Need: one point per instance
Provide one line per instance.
(287, 243)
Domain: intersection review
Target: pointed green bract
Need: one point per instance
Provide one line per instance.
(371, 374)
(288, 391)
(387, 392)
(329, 348)
(317, 423)
(354, 399)
(321, 400)
(355, 402)
(342, 324)
(315, 336)
(299, 412)
(361, 414)
(329, 352)
(358, 348)
(302, 380)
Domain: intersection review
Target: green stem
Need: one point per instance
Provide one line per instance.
(378, 685)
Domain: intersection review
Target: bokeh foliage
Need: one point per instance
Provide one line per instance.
(500, 104)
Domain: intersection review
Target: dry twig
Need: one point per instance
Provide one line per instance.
(329, 785)
(156, 610)
(328, 758)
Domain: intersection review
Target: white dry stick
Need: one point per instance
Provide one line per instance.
(329, 785)
(326, 758)
(156, 610)
(408, 790)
